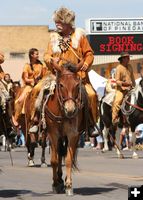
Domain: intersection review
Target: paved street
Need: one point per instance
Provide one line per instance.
(101, 176)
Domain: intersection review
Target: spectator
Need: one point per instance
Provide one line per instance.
(139, 134)
(20, 140)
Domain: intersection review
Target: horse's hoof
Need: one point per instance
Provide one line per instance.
(44, 165)
(31, 163)
(69, 192)
(104, 150)
(58, 189)
(135, 156)
(121, 156)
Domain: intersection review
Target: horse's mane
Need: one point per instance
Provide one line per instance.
(70, 67)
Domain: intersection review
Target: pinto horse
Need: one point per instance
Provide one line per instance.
(108, 129)
(63, 114)
(132, 108)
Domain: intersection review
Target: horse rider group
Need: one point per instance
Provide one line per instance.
(68, 44)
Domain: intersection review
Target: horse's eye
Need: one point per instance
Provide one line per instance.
(61, 85)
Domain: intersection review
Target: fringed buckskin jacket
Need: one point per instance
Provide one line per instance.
(79, 47)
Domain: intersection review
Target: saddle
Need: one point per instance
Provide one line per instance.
(109, 98)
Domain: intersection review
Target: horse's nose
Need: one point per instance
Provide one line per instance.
(69, 107)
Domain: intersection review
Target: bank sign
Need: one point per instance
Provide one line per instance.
(111, 37)
(105, 26)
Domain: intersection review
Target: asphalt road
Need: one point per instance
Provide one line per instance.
(101, 176)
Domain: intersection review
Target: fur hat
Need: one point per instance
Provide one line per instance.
(124, 54)
(64, 15)
(1, 57)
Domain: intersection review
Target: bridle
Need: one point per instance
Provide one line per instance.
(62, 100)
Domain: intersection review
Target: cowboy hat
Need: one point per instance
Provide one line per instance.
(124, 54)
(64, 15)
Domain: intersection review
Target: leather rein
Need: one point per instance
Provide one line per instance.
(134, 105)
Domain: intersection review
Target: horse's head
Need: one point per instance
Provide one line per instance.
(68, 88)
(141, 82)
(15, 88)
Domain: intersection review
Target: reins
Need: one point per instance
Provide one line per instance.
(134, 105)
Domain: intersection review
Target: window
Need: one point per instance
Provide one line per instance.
(139, 67)
(17, 55)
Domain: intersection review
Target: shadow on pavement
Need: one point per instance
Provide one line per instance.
(20, 193)
(92, 190)
(13, 193)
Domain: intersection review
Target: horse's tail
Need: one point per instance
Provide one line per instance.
(62, 147)
(101, 124)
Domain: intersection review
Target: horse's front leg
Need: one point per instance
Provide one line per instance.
(105, 138)
(32, 146)
(60, 174)
(43, 145)
(133, 140)
(70, 161)
(54, 162)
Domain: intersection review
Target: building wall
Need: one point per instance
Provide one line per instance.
(15, 43)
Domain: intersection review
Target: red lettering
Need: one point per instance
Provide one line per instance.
(115, 47)
(118, 40)
(139, 47)
(102, 48)
(121, 43)
(121, 48)
(111, 40)
(133, 47)
(130, 39)
(108, 49)
(127, 47)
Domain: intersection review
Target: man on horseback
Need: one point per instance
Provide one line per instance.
(33, 72)
(69, 44)
(125, 81)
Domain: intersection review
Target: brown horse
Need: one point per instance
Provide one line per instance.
(63, 114)
(24, 121)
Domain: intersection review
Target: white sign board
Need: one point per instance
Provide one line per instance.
(115, 26)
